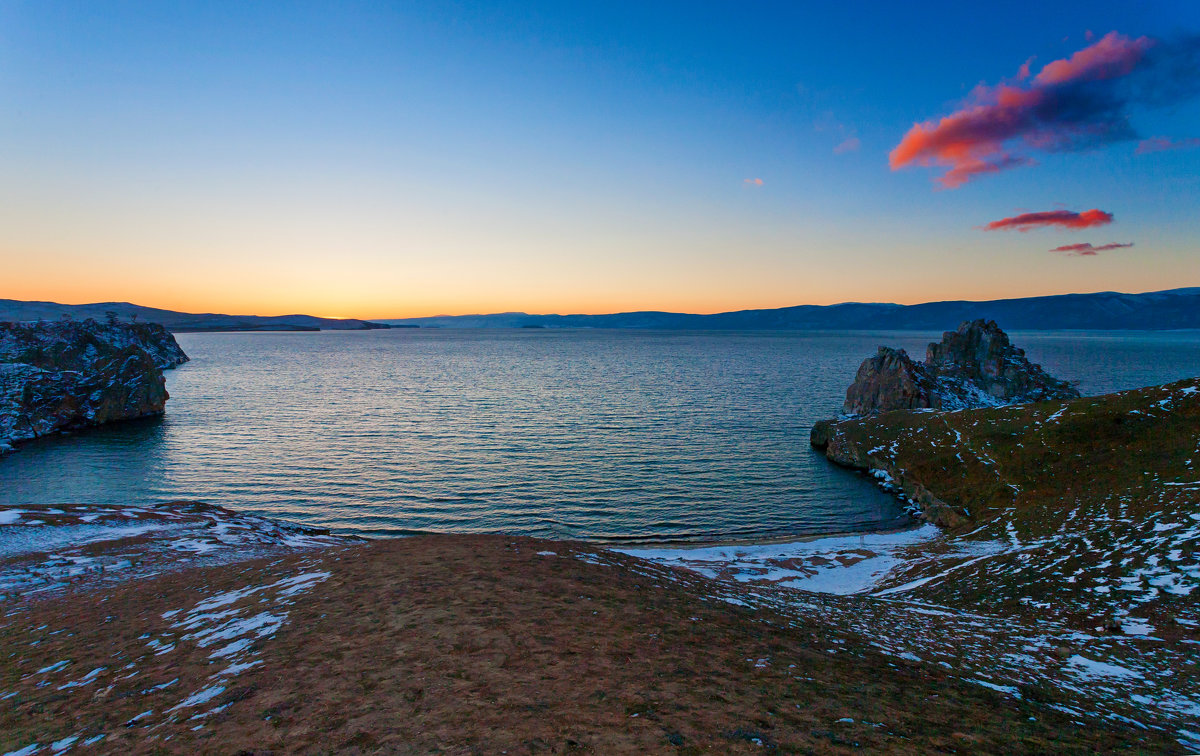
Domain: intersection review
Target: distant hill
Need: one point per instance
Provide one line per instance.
(1108, 310)
(1159, 310)
(11, 309)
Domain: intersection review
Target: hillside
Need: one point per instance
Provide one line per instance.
(1173, 309)
(472, 644)
(178, 322)
(1072, 541)
(1161, 310)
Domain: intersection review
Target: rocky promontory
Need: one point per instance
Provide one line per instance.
(974, 366)
(62, 375)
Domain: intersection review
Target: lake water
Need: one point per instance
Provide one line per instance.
(603, 435)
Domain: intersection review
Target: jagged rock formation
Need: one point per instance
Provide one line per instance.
(63, 374)
(975, 366)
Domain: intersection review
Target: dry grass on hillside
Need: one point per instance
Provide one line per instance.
(479, 644)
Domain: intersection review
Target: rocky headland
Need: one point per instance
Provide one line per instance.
(62, 375)
(1056, 511)
(974, 366)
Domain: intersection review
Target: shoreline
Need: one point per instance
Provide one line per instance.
(613, 544)
(201, 529)
(916, 524)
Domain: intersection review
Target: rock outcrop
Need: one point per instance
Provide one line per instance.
(975, 366)
(62, 375)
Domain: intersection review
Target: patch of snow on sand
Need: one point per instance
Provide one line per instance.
(259, 625)
(199, 697)
(131, 542)
(837, 564)
(1086, 667)
(300, 583)
(232, 623)
(28, 540)
(89, 677)
(54, 667)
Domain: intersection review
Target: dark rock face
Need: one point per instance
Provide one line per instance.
(975, 366)
(62, 375)
(890, 380)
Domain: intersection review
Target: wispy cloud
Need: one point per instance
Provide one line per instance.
(1063, 218)
(752, 182)
(1087, 250)
(1073, 103)
(1026, 70)
(848, 145)
(1162, 144)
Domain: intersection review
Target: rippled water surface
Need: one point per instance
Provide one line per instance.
(606, 435)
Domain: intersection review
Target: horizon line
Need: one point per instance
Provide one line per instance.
(598, 314)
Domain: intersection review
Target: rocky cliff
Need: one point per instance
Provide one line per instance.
(62, 375)
(975, 366)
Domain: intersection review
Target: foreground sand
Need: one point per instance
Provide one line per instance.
(478, 644)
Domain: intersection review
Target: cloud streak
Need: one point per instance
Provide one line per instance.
(1087, 250)
(1074, 103)
(752, 182)
(1162, 144)
(1062, 218)
(849, 145)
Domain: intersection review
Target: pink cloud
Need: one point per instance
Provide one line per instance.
(1114, 56)
(1024, 71)
(1162, 144)
(1087, 250)
(1072, 103)
(1063, 218)
(849, 145)
(752, 182)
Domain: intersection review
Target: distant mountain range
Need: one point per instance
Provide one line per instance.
(1108, 310)
(1159, 310)
(178, 322)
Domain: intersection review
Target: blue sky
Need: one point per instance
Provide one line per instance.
(420, 158)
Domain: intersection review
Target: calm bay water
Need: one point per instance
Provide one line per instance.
(605, 435)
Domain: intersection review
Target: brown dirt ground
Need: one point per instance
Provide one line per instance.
(475, 644)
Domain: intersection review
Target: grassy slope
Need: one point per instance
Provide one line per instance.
(1073, 525)
(477, 644)
(1098, 497)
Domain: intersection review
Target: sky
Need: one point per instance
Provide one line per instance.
(359, 159)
